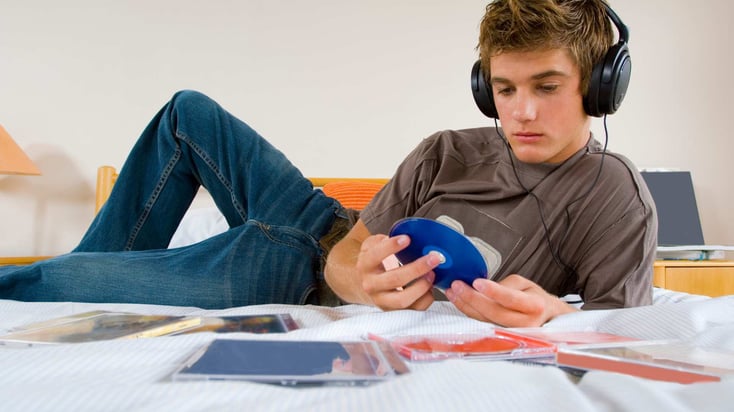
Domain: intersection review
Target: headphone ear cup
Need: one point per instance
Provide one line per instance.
(481, 92)
(608, 83)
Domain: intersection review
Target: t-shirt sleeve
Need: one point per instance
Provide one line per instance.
(405, 191)
(617, 271)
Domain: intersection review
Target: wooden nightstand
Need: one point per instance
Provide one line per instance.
(701, 277)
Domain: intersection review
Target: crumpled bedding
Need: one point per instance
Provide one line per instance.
(134, 375)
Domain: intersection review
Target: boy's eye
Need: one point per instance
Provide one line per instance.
(548, 88)
(503, 91)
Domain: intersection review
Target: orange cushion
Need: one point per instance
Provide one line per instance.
(352, 195)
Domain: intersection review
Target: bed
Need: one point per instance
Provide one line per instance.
(134, 375)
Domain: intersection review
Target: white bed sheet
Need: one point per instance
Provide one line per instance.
(133, 375)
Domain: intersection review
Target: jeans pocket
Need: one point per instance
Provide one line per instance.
(288, 237)
(290, 265)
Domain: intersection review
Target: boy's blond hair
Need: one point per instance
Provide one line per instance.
(579, 26)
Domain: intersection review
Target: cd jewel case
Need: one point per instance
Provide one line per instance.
(293, 362)
(104, 325)
(499, 344)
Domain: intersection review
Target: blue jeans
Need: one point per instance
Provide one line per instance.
(270, 254)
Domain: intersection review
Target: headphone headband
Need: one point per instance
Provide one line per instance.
(624, 34)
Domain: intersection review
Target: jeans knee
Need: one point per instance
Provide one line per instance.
(193, 116)
(201, 122)
(188, 101)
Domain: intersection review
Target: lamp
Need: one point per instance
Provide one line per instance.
(13, 160)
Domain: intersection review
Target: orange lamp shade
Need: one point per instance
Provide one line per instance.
(13, 160)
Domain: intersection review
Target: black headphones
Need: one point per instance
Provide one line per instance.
(607, 86)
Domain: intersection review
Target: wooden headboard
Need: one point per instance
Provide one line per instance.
(352, 192)
(106, 178)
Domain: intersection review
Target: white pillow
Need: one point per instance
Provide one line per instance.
(197, 225)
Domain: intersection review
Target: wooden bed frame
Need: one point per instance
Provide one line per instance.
(352, 192)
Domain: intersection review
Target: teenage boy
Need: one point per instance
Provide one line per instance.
(565, 216)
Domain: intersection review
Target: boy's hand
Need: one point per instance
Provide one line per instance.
(512, 302)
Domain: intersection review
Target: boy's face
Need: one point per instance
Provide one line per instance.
(539, 102)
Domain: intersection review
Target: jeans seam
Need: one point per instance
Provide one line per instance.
(153, 198)
(266, 228)
(213, 166)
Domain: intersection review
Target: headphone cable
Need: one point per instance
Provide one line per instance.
(555, 253)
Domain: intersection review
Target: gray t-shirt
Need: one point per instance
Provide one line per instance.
(607, 237)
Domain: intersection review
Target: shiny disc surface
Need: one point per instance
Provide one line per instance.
(461, 259)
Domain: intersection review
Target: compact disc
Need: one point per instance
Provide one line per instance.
(461, 260)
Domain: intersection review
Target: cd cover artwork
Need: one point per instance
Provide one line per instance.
(269, 323)
(97, 325)
(497, 345)
(292, 362)
(461, 260)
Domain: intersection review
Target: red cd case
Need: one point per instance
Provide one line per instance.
(668, 361)
(576, 351)
(498, 344)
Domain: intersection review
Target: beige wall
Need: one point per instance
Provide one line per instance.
(343, 87)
